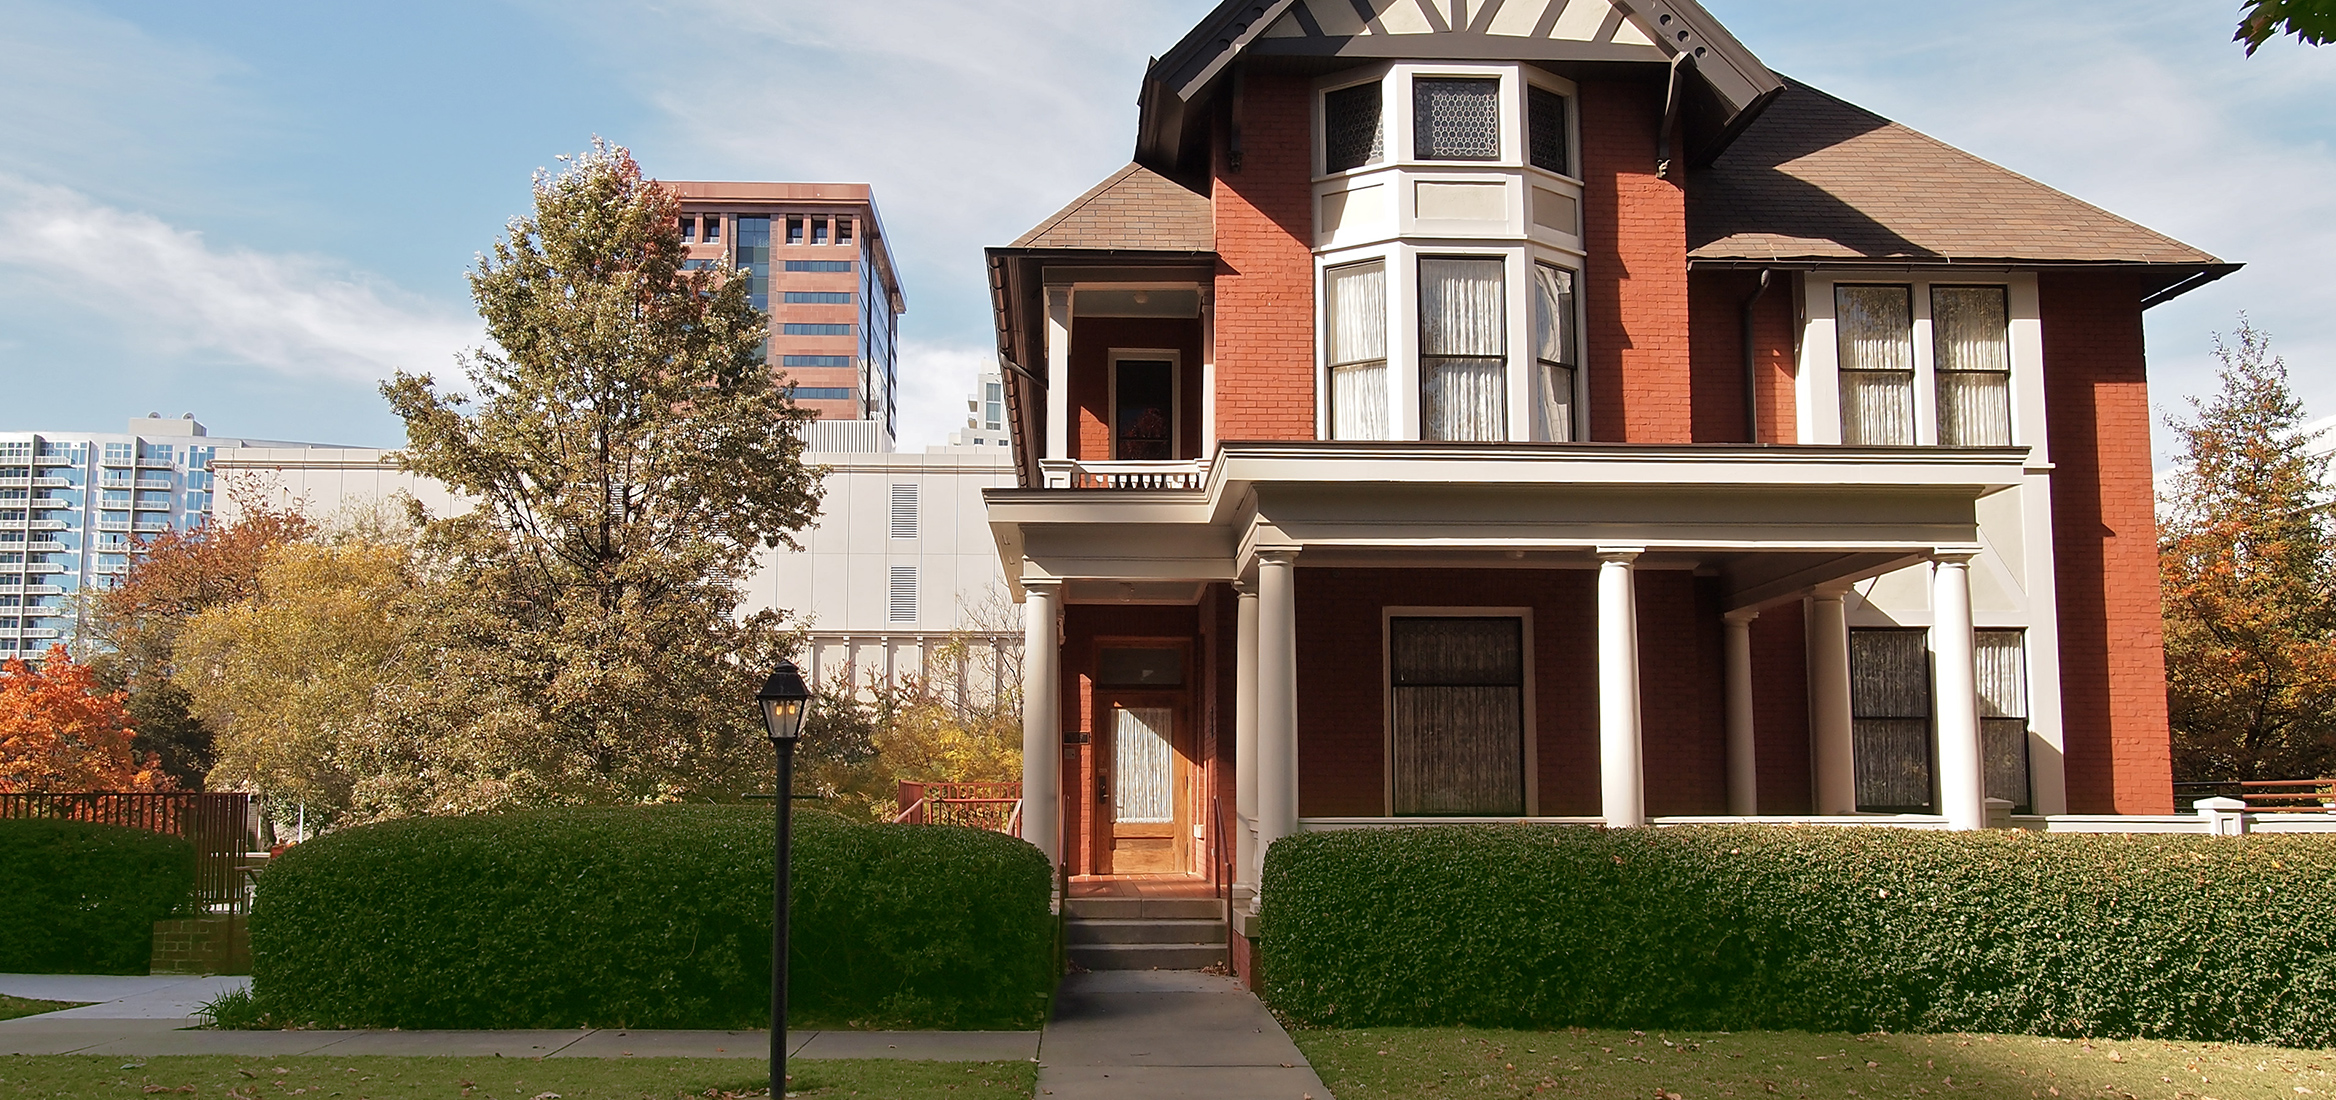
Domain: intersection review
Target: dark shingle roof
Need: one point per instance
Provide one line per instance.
(1135, 209)
(1816, 178)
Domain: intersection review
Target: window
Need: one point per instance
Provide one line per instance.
(794, 329)
(904, 511)
(1143, 403)
(815, 360)
(1355, 296)
(902, 606)
(1971, 353)
(1889, 699)
(1457, 715)
(159, 453)
(1455, 119)
(2003, 715)
(754, 259)
(819, 265)
(843, 231)
(689, 228)
(1464, 347)
(1140, 667)
(1553, 354)
(993, 406)
(823, 393)
(1545, 131)
(819, 297)
(1876, 326)
(114, 498)
(1352, 135)
(713, 229)
(819, 231)
(794, 231)
(24, 449)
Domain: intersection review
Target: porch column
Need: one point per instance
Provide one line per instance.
(1743, 760)
(1042, 735)
(1829, 702)
(1955, 698)
(1277, 699)
(1245, 741)
(1622, 788)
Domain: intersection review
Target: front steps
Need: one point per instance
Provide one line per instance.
(1146, 933)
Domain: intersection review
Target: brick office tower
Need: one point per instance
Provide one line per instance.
(1539, 410)
(820, 263)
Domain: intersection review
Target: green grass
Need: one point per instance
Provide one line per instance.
(1431, 1062)
(13, 1007)
(318, 1077)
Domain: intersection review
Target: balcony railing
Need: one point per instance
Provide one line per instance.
(151, 528)
(154, 483)
(1072, 474)
(152, 505)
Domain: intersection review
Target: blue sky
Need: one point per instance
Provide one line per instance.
(253, 211)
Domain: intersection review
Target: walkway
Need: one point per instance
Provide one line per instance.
(1167, 1035)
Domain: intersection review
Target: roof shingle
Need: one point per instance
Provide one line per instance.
(1135, 209)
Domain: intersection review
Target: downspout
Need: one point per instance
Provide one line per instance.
(1752, 364)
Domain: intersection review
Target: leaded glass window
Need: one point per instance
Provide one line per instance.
(1455, 118)
(1545, 130)
(1351, 130)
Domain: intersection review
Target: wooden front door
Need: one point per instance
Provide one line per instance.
(1145, 789)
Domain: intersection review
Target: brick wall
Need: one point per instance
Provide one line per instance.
(202, 945)
(1780, 710)
(1265, 277)
(1092, 339)
(1635, 280)
(2112, 649)
(1716, 333)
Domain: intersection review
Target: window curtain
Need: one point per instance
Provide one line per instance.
(1356, 299)
(1463, 320)
(1875, 326)
(1143, 765)
(1971, 342)
(1458, 715)
(1890, 731)
(1553, 354)
(2003, 715)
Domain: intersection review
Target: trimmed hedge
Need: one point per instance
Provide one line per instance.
(649, 917)
(78, 898)
(1820, 929)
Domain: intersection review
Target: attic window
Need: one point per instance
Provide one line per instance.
(1455, 119)
(1545, 131)
(1350, 127)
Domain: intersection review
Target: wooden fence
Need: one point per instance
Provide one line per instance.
(218, 825)
(986, 805)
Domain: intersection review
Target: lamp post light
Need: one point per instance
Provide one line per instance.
(783, 698)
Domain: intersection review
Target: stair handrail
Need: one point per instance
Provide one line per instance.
(916, 809)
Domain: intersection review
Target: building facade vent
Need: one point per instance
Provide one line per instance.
(903, 604)
(904, 511)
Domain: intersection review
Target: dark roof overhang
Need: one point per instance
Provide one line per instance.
(2161, 282)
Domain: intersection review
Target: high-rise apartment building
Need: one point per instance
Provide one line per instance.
(74, 506)
(817, 260)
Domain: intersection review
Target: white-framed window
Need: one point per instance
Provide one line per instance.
(1355, 339)
(1459, 712)
(1921, 361)
(2002, 660)
(1354, 127)
(1463, 348)
(1890, 720)
(1146, 399)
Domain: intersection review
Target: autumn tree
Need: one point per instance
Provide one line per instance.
(629, 447)
(2311, 21)
(61, 730)
(958, 720)
(2248, 569)
(178, 575)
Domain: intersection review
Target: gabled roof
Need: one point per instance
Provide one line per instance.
(1820, 179)
(1135, 209)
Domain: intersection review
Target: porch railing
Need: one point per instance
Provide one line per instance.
(219, 825)
(994, 806)
(1071, 474)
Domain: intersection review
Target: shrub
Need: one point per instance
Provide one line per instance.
(649, 917)
(1739, 927)
(79, 898)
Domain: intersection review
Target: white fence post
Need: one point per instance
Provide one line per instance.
(2222, 816)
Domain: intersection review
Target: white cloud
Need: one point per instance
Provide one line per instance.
(935, 380)
(170, 291)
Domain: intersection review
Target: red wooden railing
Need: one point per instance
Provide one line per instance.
(218, 825)
(994, 806)
(2266, 796)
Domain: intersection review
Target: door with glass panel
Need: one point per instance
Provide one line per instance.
(1456, 710)
(1143, 410)
(1144, 786)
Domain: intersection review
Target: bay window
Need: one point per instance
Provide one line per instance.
(1355, 301)
(1455, 118)
(1352, 135)
(1553, 353)
(1463, 367)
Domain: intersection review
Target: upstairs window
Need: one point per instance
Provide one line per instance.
(713, 229)
(1464, 348)
(1971, 342)
(1545, 131)
(819, 231)
(1876, 326)
(1351, 129)
(1455, 118)
(689, 229)
(1553, 353)
(1356, 298)
(794, 231)
(1947, 345)
(843, 231)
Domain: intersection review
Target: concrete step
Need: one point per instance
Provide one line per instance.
(1147, 956)
(1146, 930)
(1154, 908)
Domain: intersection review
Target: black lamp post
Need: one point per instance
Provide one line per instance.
(783, 698)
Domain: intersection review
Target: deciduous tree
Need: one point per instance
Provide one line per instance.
(61, 730)
(2312, 21)
(2248, 570)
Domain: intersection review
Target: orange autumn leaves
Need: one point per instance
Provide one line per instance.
(60, 730)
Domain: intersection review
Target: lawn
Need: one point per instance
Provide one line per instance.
(1429, 1062)
(375, 1078)
(13, 1007)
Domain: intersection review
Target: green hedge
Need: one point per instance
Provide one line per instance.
(1741, 927)
(650, 917)
(77, 898)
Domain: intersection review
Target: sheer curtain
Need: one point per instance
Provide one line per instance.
(1458, 720)
(1876, 331)
(1971, 341)
(2003, 714)
(1463, 321)
(1889, 698)
(1356, 301)
(1143, 764)
(1553, 354)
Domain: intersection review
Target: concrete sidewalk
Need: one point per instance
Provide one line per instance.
(1168, 1035)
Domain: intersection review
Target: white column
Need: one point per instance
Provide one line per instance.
(1955, 691)
(1277, 698)
(1058, 373)
(1245, 741)
(1829, 703)
(1621, 783)
(1042, 735)
(1743, 753)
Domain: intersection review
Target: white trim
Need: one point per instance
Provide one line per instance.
(1058, 372)
(1531, 732)
(1175, 360)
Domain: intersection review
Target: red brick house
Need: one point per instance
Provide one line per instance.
(1537, 409)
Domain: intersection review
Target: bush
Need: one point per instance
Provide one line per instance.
(78, 898)
(1741, 927)
(650, 917)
